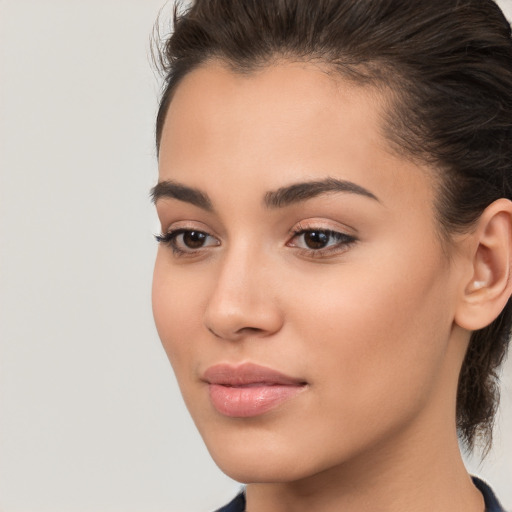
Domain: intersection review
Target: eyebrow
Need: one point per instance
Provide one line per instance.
(173, 190)
(280, 198)
(299, 192)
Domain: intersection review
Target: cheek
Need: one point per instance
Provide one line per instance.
(374, 337)
(176, 302)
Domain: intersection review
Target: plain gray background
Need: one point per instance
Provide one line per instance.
(90, 415)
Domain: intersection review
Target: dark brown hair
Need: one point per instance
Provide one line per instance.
(447, 65)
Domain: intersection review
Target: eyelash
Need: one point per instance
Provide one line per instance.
(170, 237)
(342, 241)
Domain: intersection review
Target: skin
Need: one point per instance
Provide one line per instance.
(374, 327)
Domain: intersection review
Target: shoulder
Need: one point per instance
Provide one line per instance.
(491, 502)
(236, 505)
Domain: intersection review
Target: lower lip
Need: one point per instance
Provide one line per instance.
(250, 401)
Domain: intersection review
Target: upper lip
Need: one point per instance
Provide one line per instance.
(246, 374)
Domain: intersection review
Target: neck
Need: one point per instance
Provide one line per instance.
(404, 478)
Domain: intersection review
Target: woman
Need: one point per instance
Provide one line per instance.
(333, 278)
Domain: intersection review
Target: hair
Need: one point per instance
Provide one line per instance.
(447, 68)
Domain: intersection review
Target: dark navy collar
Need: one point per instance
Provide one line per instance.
(491, 502)
(236, 505)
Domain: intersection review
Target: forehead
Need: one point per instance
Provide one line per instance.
(278, 125)
(295, 96)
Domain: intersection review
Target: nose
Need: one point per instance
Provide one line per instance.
(243, 301)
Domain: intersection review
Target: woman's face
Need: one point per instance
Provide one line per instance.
(301, 291)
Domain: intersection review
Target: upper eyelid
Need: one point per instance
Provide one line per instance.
(189, 225)
(322, 225)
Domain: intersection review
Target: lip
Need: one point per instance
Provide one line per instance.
(249, 390)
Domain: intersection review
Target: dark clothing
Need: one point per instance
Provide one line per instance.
(237, 505)
(491, 502)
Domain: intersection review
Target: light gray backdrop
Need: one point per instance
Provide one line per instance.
(90, 416)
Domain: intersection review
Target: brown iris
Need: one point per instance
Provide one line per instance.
(316, 239)
(194, 239)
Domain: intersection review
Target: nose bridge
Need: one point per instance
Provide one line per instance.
(242, 300)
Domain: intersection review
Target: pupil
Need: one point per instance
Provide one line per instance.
(194, 239)
(316, 239)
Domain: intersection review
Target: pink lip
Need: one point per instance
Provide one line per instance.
(249, 390)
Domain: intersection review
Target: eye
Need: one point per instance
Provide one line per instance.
(187, 241)
(317, 241)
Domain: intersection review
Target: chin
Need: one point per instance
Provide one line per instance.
(261, 470)
(247, 462)
(264, 458)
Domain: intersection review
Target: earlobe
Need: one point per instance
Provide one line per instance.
(490, 286)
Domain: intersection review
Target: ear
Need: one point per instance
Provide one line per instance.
(486, 293)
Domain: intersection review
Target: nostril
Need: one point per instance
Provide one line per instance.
(239, 332)
(250, 330)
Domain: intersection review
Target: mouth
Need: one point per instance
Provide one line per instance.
(249, 390)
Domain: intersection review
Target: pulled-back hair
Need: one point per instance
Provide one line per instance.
(447, 67)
